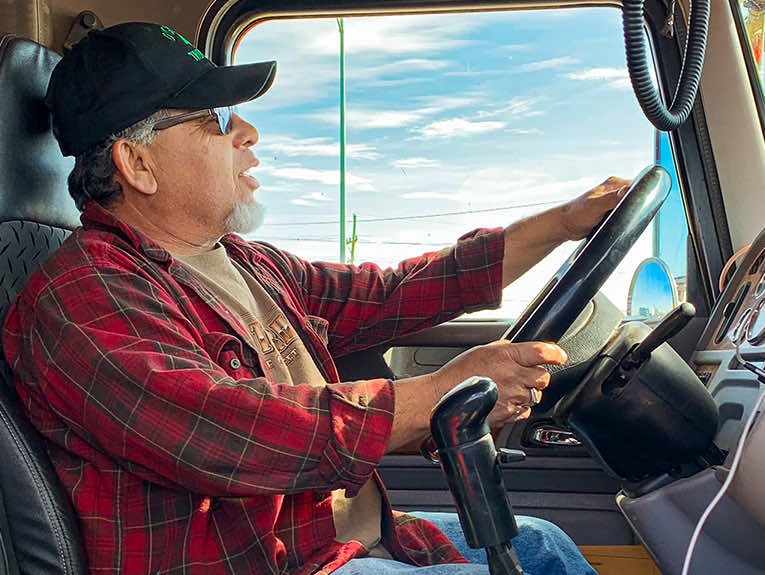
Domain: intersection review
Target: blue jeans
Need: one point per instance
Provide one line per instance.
(542, 547)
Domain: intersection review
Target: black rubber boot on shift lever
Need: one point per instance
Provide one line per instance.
(465, 448)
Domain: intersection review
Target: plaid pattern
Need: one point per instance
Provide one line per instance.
(177, 454)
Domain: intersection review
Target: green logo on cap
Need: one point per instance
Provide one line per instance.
(174, 36)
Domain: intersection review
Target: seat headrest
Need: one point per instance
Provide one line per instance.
(32, 170)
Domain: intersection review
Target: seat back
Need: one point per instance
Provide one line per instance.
(38, 530)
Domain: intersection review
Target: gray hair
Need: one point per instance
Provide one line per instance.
(94, 169)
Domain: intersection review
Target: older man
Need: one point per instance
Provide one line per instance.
(183, 377)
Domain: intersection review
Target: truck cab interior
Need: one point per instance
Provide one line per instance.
(466, 114)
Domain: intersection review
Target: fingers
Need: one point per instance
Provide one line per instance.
(537, 377)
(523, 413)
(611, 188)
(614, 183)
(508, 414)
(534, 353)
(523, 396)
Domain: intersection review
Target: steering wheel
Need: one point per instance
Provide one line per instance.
(576, 282)
(458, 423)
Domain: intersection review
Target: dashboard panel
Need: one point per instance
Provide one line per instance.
(739, 316)
(666, 517)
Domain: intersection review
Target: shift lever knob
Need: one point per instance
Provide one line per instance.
(675, 321)
(469, 461)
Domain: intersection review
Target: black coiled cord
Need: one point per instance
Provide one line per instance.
(690, 74)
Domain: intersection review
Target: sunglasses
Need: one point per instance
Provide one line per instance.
(222, 115)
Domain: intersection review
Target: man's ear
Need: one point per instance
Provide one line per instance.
(132, 164)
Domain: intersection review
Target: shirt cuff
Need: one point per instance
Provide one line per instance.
(361, 419)
(478, 256)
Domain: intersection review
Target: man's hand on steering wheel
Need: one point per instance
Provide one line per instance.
(580, 215)
(529, 240)
(516, 368)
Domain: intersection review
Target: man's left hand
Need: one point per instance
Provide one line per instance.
(583, 213)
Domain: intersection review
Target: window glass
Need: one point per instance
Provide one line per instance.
(452, 122)
(670, 225)
(753, 13)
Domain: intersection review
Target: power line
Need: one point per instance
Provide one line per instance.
(360, 241)
(422, 216)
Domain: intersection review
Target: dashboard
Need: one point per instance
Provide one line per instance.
(665, 517)
(739, 316)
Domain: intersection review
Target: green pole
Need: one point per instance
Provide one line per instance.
(353, 239)
(342, 142)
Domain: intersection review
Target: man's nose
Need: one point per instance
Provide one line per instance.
(245, 134)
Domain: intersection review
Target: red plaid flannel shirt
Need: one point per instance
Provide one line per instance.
(180, 459)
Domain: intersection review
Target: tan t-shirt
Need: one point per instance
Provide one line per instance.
(285, 359)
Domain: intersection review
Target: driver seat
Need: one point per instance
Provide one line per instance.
(39, 534)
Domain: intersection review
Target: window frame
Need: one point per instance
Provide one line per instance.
(696, 170)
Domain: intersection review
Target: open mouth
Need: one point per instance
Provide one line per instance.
(249, 176)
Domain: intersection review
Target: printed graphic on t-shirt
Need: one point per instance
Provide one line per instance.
(276, 336)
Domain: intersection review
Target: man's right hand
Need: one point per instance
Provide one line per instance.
(514, 367)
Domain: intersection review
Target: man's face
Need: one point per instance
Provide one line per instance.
(200, 173)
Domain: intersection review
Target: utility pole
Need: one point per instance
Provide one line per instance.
(353, 239)
(342, 142)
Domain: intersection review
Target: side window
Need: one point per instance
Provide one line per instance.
(670, 227)
(753, 15)
(453, 121)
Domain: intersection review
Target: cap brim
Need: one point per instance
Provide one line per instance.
(225, 86)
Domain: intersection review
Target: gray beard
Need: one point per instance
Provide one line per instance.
(244, 218)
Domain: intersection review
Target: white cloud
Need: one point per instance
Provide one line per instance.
(361, 152)
(301, 202)
(396, 68)
(316, 147)
(512, 184)
(548, 64)
(316, 197)
(326, 177)
(512, 48)
(458, 126)
(612, 77)
(495, 186)
(430, 196)
(370, 118)
(522, 107)
(397, 35)
(416, 163)
(363, 186)
(441, 103)
(307, 51)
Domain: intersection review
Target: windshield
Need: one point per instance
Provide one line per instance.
(452, 122)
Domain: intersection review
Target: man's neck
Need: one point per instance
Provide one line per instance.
(185, 242)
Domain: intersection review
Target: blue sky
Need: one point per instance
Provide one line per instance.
(493, 116)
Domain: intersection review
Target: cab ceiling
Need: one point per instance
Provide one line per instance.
(48, 21)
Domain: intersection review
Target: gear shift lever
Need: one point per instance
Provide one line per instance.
(470, 462)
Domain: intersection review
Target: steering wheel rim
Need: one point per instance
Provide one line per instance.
(581, 276)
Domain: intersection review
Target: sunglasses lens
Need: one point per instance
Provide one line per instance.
(224, 118)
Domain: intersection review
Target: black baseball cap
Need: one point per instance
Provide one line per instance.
(115, 77)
